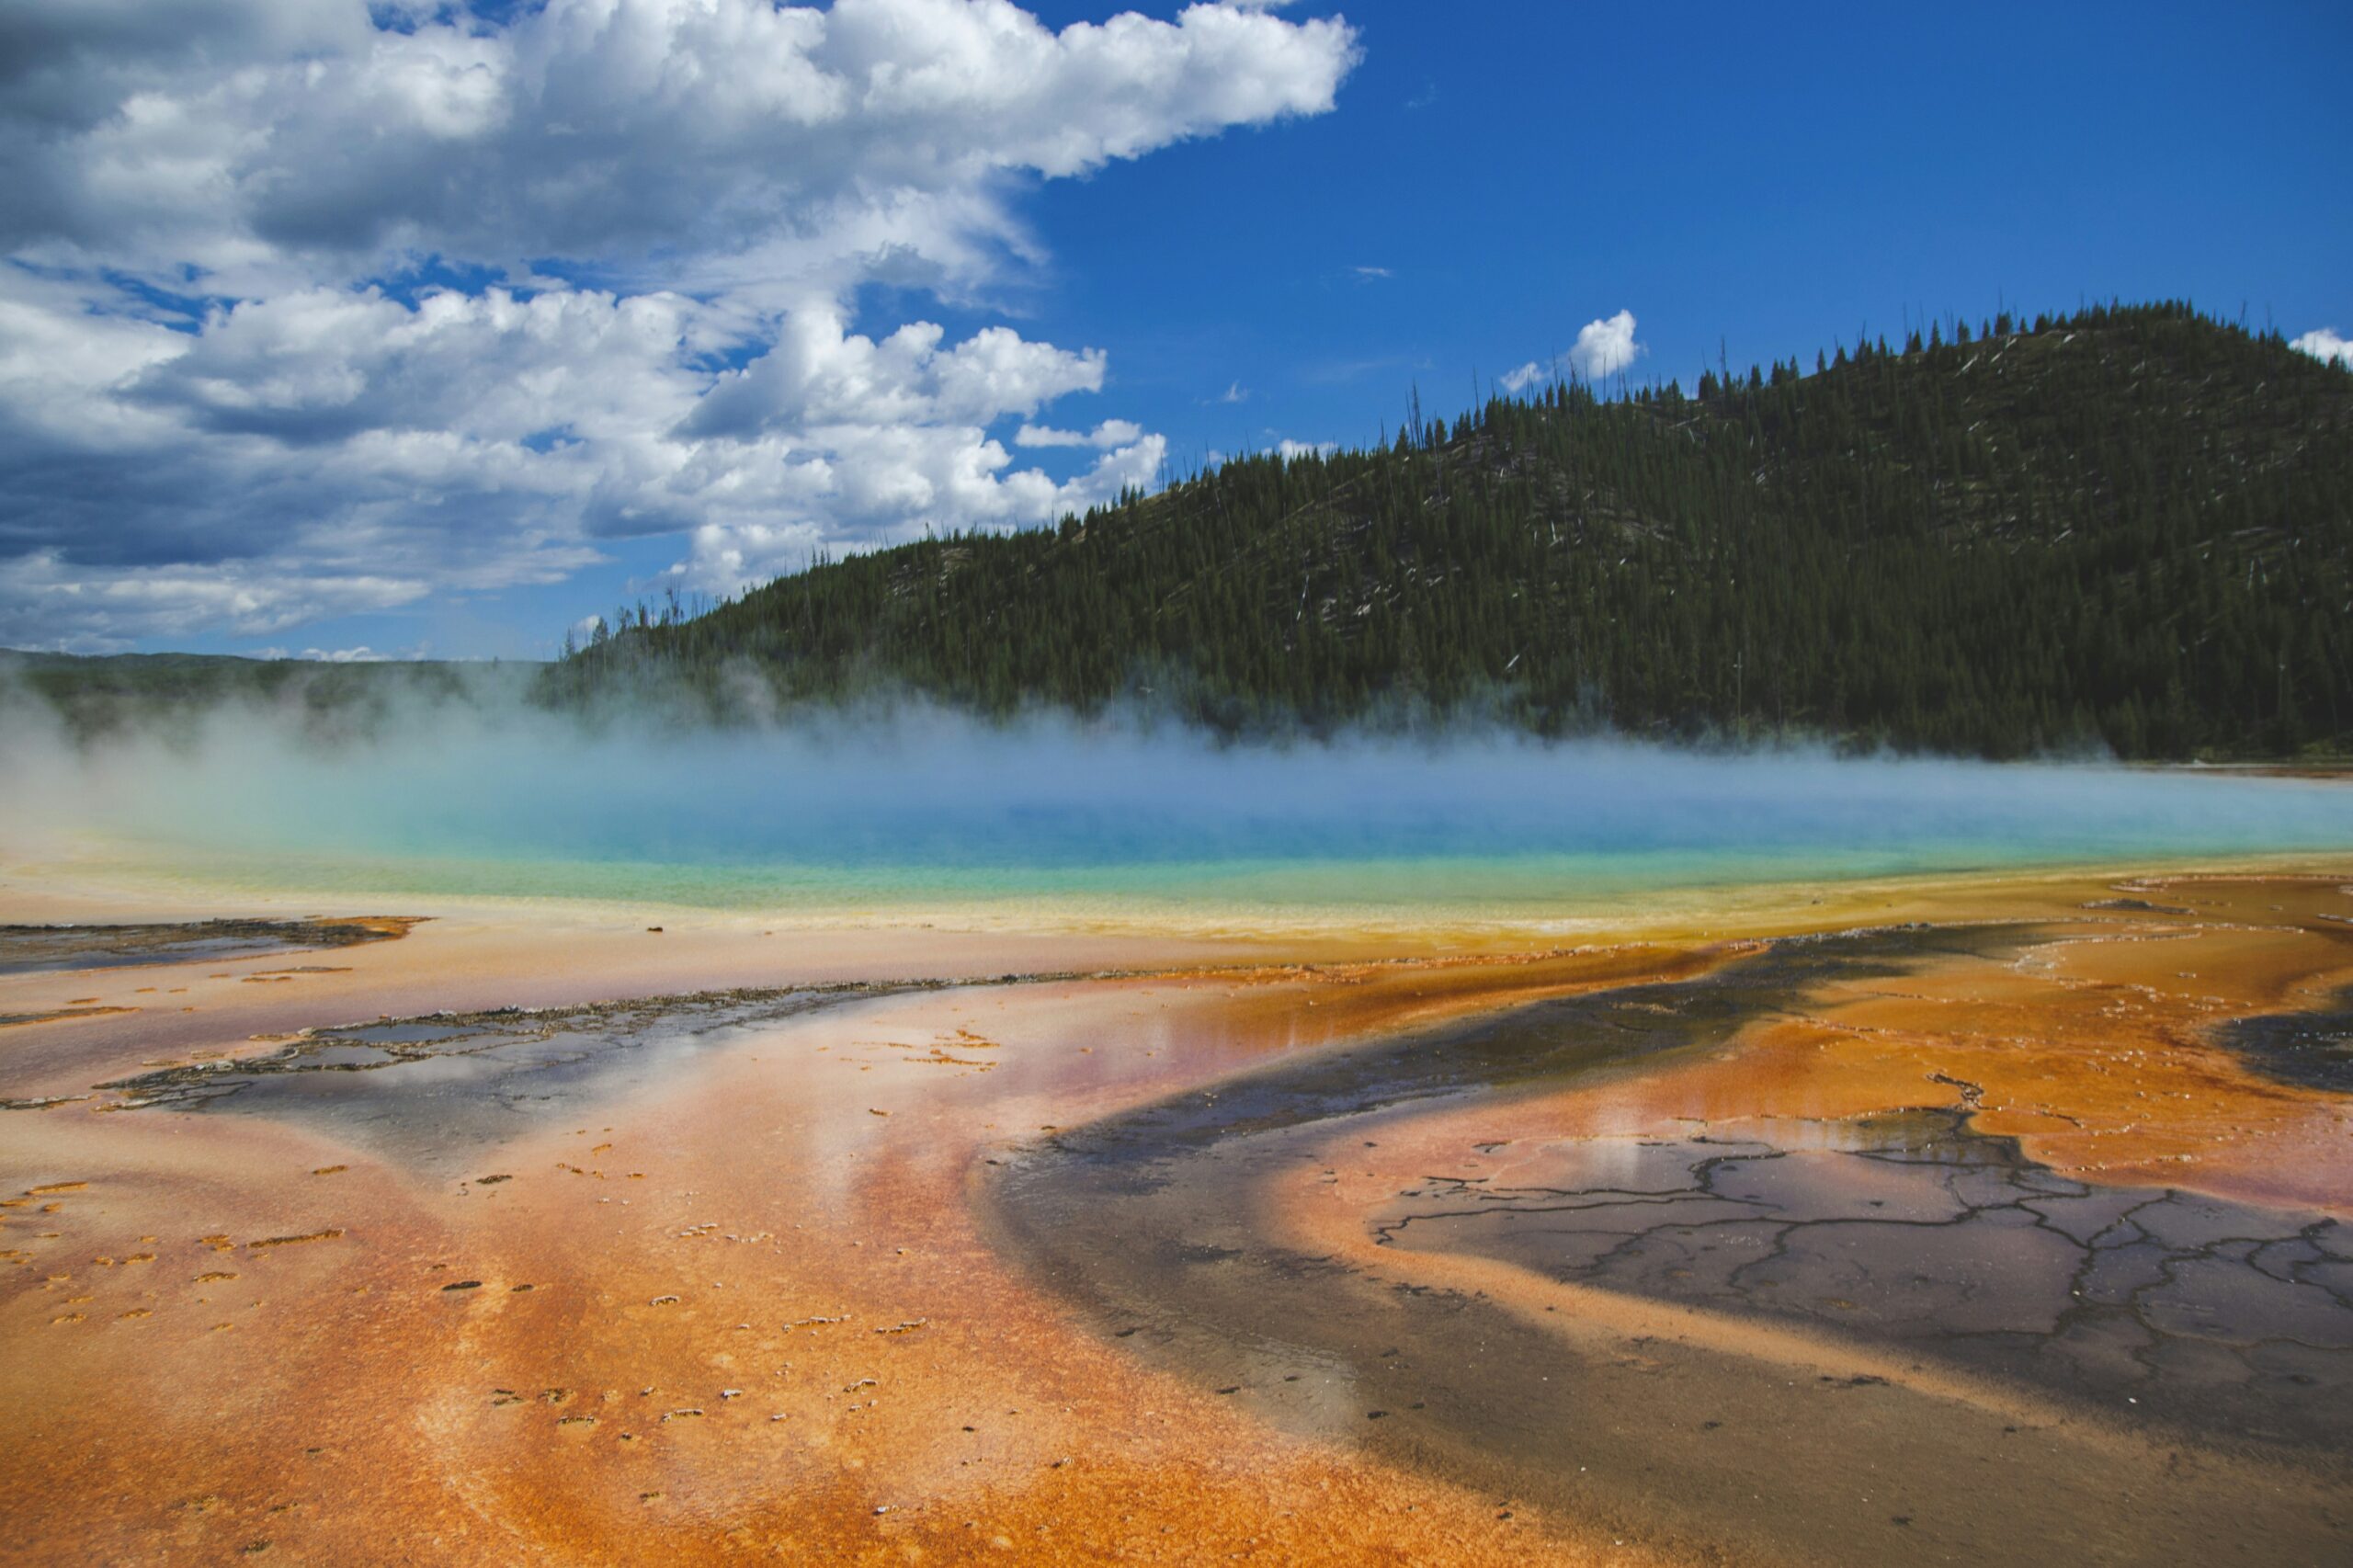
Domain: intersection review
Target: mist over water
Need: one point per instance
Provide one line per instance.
(916, 804)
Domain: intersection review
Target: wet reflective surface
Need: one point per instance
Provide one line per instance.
(1994, 1236)
(1874, 1318)
(455, 1087)
(1908, 1229)
(28, 949)
(2314, 1048)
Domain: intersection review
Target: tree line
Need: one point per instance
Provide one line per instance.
(2125, 527)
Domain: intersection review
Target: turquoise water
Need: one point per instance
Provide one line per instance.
(1530, 885)
(937, 811)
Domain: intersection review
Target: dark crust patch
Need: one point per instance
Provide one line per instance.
(2312, 1050)
(26, 950)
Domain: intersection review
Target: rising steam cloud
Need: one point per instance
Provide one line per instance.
(918, 801)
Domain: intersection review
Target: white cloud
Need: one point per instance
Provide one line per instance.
(48, 603)
(1234, 392)
(2323, 344)
(1527, 376)
(311, 435)
(1606, 347)
(1603, 349)
(919, 481)
(1372, 274)
(1289, 449)
(1110, 433)
(635, 133)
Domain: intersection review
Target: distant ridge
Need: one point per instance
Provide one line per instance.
(104, 694)
(2129, 528)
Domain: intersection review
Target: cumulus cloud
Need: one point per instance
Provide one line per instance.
(1289, 449)
(272, 133)
(2325, 344)
(1606, 347)
(1527, 376)
(923, 480)
(315, 305)
(1110, 433)
(1603, 349)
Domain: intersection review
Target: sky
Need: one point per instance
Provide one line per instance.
(418, 328)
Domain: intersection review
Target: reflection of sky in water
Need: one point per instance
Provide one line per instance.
(930, 807)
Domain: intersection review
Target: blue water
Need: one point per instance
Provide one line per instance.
(934, 810)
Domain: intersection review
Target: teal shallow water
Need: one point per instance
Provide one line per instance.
(940, 814)
(1532, 886)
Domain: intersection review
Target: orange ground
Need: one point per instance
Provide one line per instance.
(753, 1315)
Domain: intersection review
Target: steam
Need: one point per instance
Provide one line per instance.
(492, 794)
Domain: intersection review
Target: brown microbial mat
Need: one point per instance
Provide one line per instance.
(2004, 1225)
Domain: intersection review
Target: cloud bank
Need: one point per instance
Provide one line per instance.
(315, 306)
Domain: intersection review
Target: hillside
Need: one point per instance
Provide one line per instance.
(99, 696)
(2132, 527)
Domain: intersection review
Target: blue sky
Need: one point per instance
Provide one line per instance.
(1760, 179)
(1432, 196)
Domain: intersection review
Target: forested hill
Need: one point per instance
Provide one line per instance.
(178, 693)
(2132, 526)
